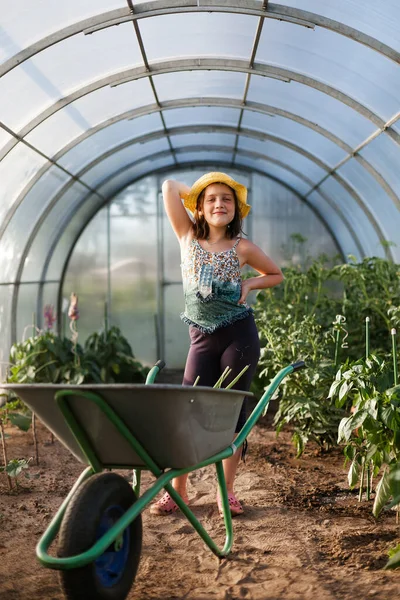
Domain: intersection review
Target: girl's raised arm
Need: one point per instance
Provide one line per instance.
(173, 192)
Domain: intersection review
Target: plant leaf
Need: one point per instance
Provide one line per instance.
(358, 419)
(394, 562)
(333, 388)
(354, 473)
(382, 494)
(21, 421)
(394, 483)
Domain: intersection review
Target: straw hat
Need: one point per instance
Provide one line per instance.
(190, 200)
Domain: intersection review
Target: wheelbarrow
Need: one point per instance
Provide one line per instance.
(169, 430)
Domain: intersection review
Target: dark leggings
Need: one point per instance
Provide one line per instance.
(234, 346)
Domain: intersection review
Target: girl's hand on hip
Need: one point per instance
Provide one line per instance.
(246, 288)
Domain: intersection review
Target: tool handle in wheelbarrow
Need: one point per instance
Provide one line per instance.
(262, 405)
(152, 374)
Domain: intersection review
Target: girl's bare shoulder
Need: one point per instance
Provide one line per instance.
(245, 246)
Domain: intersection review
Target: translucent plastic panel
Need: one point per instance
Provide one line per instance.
(67, 235)
(202, 115)
(24, 221)
(64, 67)
(124, 157)
(176, 336)
(269, 168)
(87, 276)
(23, 24)
(6, 292)
(376, 199)
(396, 126)
(354, 69)
(137, 200)
(296, 133)
(107, 138)
(286, 155)
(27, 317)
(354, 214)
(16, 169)
(49, 232)
(44, 189)
(311, 104)
(133, 278)
(10, 255)
(343, 235)
(117, 182)
(384, 154)
(203, 139)
(133, 268)
(198, 84)
(72, 121)
(190, 175)
(198, 35)
(4, 137)
(377, 19)
(36, 200)
(278, 214)
(206, 155)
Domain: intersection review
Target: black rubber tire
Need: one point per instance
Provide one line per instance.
(79, 529)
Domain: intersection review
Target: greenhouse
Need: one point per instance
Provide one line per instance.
(101, 103)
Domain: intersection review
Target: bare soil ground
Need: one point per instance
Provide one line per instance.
(304, 535)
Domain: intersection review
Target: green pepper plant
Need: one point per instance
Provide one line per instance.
(295, 322)
(371, 433)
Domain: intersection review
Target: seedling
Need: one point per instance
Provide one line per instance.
(16, 467)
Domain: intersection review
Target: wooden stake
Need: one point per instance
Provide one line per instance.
(3, 442)
(35, 441)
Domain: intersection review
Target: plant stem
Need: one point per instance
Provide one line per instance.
(337, 340)
(366, 337)
(222, 378)
(394, 353)
(368, 490)
(362, 480)
(105, 316)
(3, 442)
(232, 383)
(50, 362)
(35, 441)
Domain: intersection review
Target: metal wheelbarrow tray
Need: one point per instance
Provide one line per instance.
(166, 429)
(179, 426)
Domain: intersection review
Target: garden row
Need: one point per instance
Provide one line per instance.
(342, 322)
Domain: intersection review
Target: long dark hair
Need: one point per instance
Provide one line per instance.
(200, 226)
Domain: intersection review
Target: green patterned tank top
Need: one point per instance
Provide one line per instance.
(212, 286)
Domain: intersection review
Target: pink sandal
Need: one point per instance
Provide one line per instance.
(165, 505)
(234, 505)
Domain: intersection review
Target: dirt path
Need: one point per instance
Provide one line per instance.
(303, 536)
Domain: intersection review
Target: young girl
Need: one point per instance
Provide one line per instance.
(221, 325)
